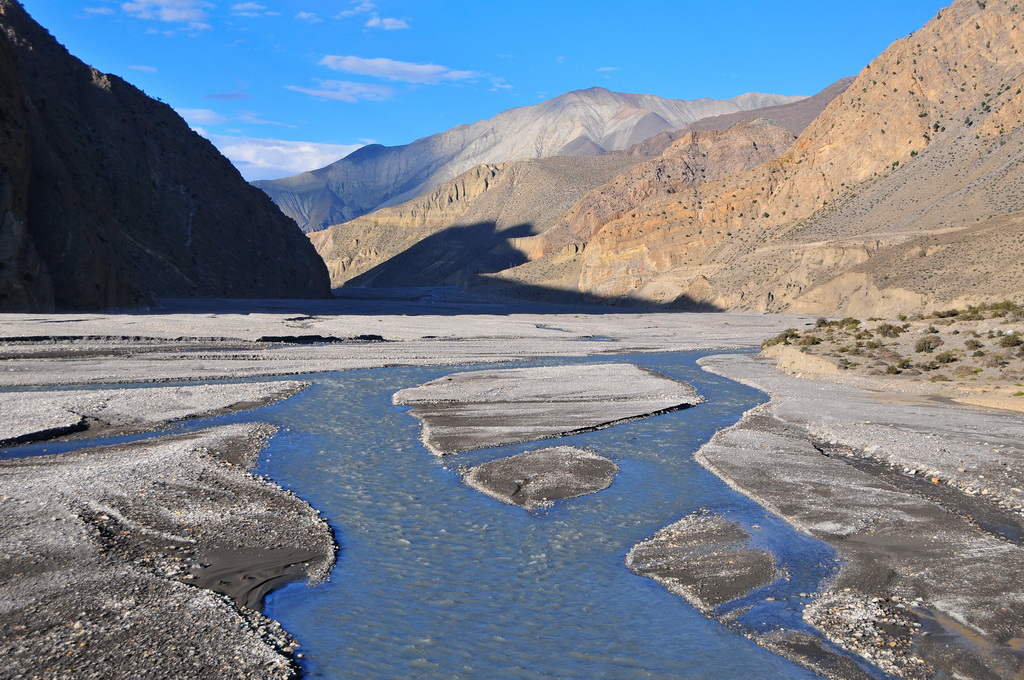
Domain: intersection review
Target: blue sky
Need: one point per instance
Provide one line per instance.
(282, 86)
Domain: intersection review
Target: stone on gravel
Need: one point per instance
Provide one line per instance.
(537, 479)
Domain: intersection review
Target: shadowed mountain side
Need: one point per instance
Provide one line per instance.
(534, 192)
(108, 199)
(794, 117)
(449, 257)
(468, 257)
(582, 123)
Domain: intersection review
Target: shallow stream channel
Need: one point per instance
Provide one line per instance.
(436, 580)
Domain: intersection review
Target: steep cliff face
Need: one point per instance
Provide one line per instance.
(109, 200)
(584, 123)
(912, 170)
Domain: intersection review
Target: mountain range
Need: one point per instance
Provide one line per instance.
(582, 123)
(108, 199)
(904, 192)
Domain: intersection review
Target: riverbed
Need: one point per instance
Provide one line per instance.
(436, 580)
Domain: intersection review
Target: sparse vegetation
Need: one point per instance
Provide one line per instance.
(909, 348)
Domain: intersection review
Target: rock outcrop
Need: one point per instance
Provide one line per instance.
(582, 123)
(108, 199)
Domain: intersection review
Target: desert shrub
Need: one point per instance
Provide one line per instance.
(928, 343)
(978, 353)
(892, 370)
(946, 314)
(888, 330)
(947, 357)
(782, 338)
(809, 340)
(973, 344)
(1013, 339)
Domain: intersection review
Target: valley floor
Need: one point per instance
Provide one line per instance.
(921, 498)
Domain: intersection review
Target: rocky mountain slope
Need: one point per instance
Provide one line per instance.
(581, 123)
(903, 195)
(464, 227)
(545, 208)
(107, 199)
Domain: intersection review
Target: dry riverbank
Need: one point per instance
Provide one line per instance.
(150, 559)
(920, 497)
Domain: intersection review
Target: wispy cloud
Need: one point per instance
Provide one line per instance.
(252, 9)
(386, 23)
(358, 7)
(228, 95)
(308, 16)
(390, 69)
(604, 69)
(193, 12)
(144, 69)
(99, 10)
(345, 91)
(258, 158)
(201, 116)
(254, 118)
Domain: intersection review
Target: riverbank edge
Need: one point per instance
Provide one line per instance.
(167, 526)
(883, 620)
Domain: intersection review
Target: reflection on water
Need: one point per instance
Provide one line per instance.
(436, 580)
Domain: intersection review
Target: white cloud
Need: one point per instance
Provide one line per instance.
(251, 9)
(386, 23)
(201, 116)
(99, 10)
(343, 90)
(358, 7)
(191, 11)
(308, 16)
(259, 158)
(606, 68)
(396, 70)
(144, 69)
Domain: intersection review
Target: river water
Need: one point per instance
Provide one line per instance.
(436, 580)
